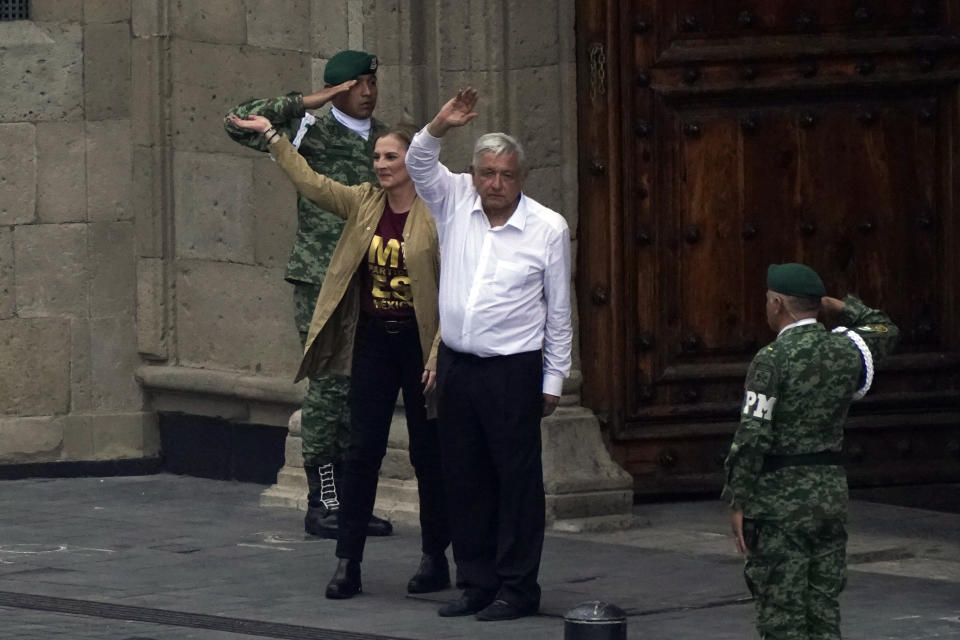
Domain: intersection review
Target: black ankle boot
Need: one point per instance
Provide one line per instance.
(321, 522)
(345, 582)
(321, 517)
(433, 575)
(375, 527)
(379, 527)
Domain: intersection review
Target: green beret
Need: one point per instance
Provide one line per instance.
(793, 279)
(347, 65)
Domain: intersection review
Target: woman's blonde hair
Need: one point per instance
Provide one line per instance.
(403, 131)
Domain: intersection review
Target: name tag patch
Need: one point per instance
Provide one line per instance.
(760, 404)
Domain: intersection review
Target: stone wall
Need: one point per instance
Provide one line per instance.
(68, 280)
(142, 251)
(218, 219)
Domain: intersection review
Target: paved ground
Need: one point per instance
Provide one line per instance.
(172, 557)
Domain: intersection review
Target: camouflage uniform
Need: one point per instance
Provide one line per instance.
(798, 392)
(339, 153)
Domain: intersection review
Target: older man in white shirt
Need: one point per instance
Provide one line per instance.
(506, 340)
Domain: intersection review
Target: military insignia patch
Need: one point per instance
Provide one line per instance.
(872, 328)
(761, 378)
(373, 63)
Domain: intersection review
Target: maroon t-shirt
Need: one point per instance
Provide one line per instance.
(385, 284)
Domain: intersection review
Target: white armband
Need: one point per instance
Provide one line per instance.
(867, 360)
(305, 122)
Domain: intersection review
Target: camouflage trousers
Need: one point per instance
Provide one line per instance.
(796, 570)
(325, 418)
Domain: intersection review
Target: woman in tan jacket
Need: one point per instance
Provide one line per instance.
(376, 320)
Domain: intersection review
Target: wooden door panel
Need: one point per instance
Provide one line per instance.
(737, 134)
(759, 183)
(706, 193)
(699, 20)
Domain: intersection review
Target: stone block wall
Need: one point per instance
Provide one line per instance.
(142, 251)
(68, 346)
(222, 215)
(223, 234)
(519, 55)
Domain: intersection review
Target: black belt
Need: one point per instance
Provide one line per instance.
(390, 325)
(775, 462)
(462, 355)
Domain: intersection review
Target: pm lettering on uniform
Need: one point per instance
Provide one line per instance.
(762, 405)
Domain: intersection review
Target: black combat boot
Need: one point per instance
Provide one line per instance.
(379, 526)
(322, 503)
(376, 526)
(345, 582)
(433, 575)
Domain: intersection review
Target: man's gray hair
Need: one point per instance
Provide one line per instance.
(802, 304)
(497, 143)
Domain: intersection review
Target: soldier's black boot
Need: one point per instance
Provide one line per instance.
(345, 582)
(376, 526)
(433, 575)
(379, 526)
(322, 503)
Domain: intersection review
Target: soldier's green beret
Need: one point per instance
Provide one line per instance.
(349, 64)
(793, 279)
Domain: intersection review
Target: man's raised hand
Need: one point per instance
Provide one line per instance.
(325, 95)
(253, 123)
(457, 112)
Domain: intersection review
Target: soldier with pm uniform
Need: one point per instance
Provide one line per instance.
(338, 144)
(785, 483)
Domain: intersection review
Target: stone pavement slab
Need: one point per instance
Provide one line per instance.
(204, 557)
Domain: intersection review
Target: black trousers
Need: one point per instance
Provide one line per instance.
(387, 358)
(490, 411)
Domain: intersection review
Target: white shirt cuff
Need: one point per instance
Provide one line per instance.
(429, 141)
(552, 384)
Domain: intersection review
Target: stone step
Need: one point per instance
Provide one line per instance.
(598, 524)
(290, 491)
(575, 458)
(398, 502)
(585, 489)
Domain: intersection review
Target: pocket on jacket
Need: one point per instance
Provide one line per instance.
(509, 275)
(756, 573)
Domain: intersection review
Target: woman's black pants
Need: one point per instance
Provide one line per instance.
(387, 358)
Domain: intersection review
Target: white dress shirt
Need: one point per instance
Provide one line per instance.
(503, 290)
(798, 323)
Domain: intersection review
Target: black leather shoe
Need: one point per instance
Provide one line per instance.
(345, 582)
(321, 522)
(466, 605)
(379, 527)
(503, 610)
(433, 575)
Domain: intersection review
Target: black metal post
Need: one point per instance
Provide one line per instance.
(595, 620)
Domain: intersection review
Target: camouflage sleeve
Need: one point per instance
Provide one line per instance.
(281, 112)
(876, 329)
(755, 432)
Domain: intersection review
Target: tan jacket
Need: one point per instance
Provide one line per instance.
(329, 347)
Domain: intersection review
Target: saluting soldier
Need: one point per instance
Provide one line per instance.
(785, 483)
(338, 144)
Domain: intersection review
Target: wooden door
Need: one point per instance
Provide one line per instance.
(719, 137)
